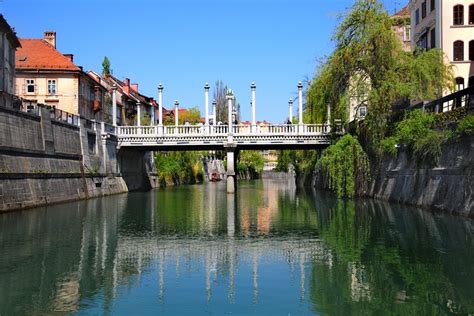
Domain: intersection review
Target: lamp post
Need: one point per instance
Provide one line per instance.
(139, 114)
(214, 104)
(253, 88)
(176, 105)
(300, 103)
(206, 102)
(114, 105)
(290, 110)
(160, 104)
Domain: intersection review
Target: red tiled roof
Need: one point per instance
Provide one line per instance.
(405, 11)
(38, 54)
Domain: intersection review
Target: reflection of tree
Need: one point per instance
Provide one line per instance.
(385, 262)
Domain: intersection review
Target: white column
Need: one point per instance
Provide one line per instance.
(229, 112)
(214, 104)
(160, 104)
(152, 114)
(329, 118)
(114, 105)
(300, 103)
(290, 110)
(253, 87)
(139, 114)
(176, 104)
(206, 102)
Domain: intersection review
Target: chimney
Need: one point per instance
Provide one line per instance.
(135, 87)
(50, 37)
(70, 57)
(127, 82)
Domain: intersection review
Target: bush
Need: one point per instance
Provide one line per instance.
(390, 145)
(466, 126)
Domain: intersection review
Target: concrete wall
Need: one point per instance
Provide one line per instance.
(44, 161)
(448, 187)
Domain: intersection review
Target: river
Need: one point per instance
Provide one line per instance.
(271, 249)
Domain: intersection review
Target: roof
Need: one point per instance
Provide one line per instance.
(38, 54)
(10, 32)
(404, 12)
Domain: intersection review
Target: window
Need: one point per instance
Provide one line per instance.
(51, 86)
(470, 82)
(471, 14)
(30, 85)
(471, 50)
(423, 41)
(459, 83)
(417, 16)
(433, 38)
(458, 52)
(423, 9)
(432, 6)
(458, 15)
(407, 33)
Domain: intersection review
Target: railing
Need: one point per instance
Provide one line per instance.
(461, 98)
(201, 130)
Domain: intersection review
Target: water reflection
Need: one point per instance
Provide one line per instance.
(271, 249)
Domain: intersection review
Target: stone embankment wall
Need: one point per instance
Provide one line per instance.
(448, 187)
(43, 161)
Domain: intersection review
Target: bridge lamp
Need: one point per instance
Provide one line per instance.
(176, 105)
(300, 102)
(214, 118)
(160, 104)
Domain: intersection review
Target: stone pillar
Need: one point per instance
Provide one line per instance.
(214, 104)
(114, 105)
(152, 114)
(290, 110)
(176, 112)
(300, 103)
(139, 114)
(160, 104)
(206, 103)
(231, 181)
(253, 88)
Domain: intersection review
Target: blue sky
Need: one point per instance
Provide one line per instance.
(184, 43)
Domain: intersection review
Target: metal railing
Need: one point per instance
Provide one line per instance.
(458, 99)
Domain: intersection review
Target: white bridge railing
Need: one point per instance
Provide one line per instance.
(222, 130)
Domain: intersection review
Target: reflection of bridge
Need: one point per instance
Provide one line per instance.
(231, 137)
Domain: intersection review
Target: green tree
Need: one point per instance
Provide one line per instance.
(106, 71)
(370, 66)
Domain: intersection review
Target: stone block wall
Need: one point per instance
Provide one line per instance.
(448, 186)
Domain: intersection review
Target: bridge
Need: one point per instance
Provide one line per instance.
(229, 137)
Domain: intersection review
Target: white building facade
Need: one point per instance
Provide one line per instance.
(449, 26)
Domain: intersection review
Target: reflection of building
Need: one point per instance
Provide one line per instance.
(8, 45)
(46, 76)
(449, 26)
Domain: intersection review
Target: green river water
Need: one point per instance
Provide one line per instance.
(269, 250)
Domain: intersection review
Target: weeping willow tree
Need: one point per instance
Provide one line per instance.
(369, 66)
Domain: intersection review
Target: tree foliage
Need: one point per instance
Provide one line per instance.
(370, 67)
(345, 166)
(250, 164)
(106, 71)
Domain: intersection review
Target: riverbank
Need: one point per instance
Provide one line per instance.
(45, 161)
(447, 186)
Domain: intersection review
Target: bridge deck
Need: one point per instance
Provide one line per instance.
(193, 137)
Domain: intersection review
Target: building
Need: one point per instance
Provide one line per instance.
(128, 99)
(8, 45)
(449, 26)
(402, 28)
(46, 76)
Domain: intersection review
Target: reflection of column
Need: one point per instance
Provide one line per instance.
(230, 215)
(208, 275)
(177, 263)
(302, 289)
(162, 274)
(255, 276)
